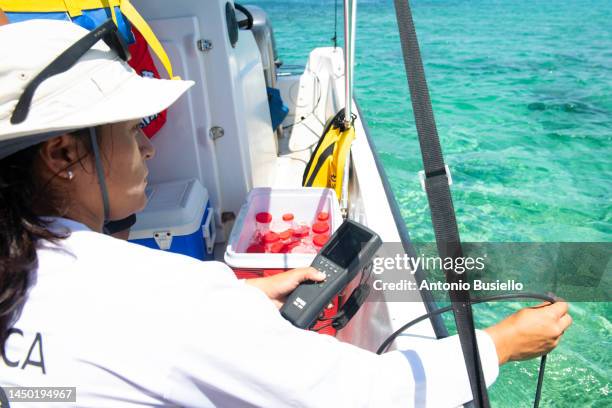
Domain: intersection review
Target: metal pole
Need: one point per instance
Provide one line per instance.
(353, 36)
(347, 63)
(350, 19)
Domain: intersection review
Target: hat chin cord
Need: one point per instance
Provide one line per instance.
(100, 172)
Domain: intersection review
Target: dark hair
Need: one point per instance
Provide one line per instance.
(21, 228)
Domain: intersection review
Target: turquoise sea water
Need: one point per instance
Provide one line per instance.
(522, 92)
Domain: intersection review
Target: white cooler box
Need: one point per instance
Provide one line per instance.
(304, 203)
(178, 218)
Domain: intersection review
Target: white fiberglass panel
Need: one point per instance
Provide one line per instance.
(229, 97)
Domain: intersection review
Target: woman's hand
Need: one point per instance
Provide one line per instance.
(278, 287)
(530, 332)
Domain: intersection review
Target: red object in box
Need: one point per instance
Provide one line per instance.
(320, 227)
(270, 237)
(294, 243)
(301, 231)
(320, 240)
(279, 248)
(286, 234)
(256, 249)
(263, 217)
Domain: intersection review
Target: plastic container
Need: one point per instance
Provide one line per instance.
(262, 222)
(294, 247)
(303, 203)
(178, 218)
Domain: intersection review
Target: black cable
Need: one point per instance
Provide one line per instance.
(248, 23)
(536, 401)
(506, 296)
(366, 273)
(537, 296)
(325, 326)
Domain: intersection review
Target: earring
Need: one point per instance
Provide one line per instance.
(70, 175)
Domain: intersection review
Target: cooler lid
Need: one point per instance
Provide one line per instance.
(176, 206)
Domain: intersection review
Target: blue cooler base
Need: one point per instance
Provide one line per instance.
(191, 245)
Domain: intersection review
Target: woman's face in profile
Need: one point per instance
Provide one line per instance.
(124, 150)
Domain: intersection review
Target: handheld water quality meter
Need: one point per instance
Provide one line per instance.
(347, 252)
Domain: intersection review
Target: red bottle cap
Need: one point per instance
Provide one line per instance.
(293, 244)
(286, 234)
(263, 217)
(270, 237)
(320, 240)
(279, 248)
(288, 217)
(256, 249)
(301, 232)
(323, 216)
(320, 227)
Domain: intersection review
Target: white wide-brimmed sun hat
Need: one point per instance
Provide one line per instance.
(100, 88)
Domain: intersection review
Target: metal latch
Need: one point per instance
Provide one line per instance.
(163, 239)
(448, 176)
(209, 231)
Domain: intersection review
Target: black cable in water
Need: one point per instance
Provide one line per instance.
(383, 347)
(536, 401)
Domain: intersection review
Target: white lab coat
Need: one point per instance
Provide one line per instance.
(131, 326)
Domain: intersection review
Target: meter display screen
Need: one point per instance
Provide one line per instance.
(346, 245)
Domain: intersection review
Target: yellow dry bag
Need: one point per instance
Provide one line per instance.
(326, 165)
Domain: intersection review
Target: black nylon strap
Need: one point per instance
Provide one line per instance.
(439, 197)
(113, 227)
(329, 150)
(351, 306)
(100, 171)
